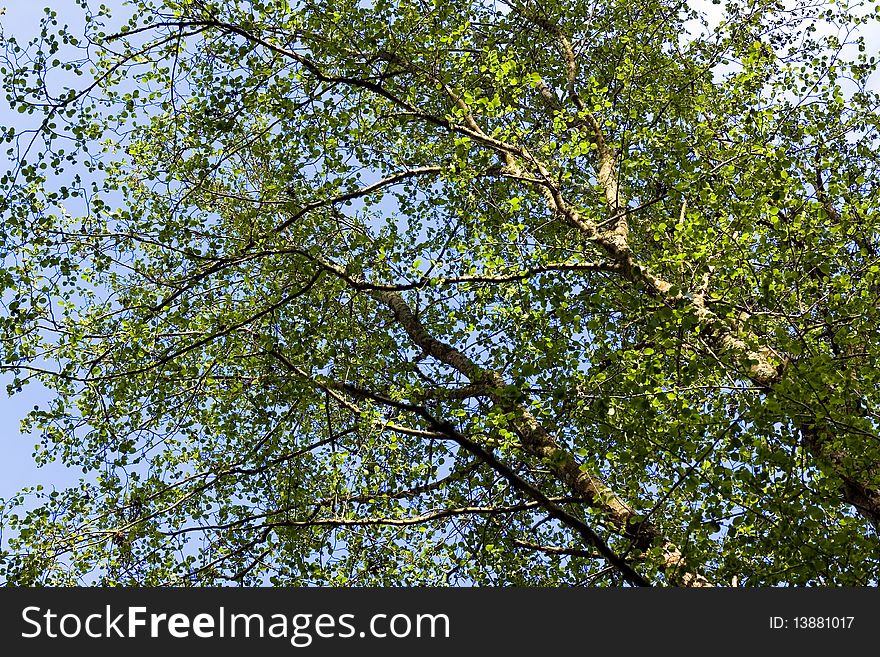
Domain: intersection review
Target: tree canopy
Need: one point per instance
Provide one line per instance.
(409, 292)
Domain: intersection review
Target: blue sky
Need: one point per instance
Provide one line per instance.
(17, 467)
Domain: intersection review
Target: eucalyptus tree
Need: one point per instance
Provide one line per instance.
(408, 292)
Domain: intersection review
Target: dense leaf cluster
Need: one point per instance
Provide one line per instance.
(405, 292)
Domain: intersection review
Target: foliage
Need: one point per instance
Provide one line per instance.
(402, 293)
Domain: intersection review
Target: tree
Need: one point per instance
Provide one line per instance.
(404, 292)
